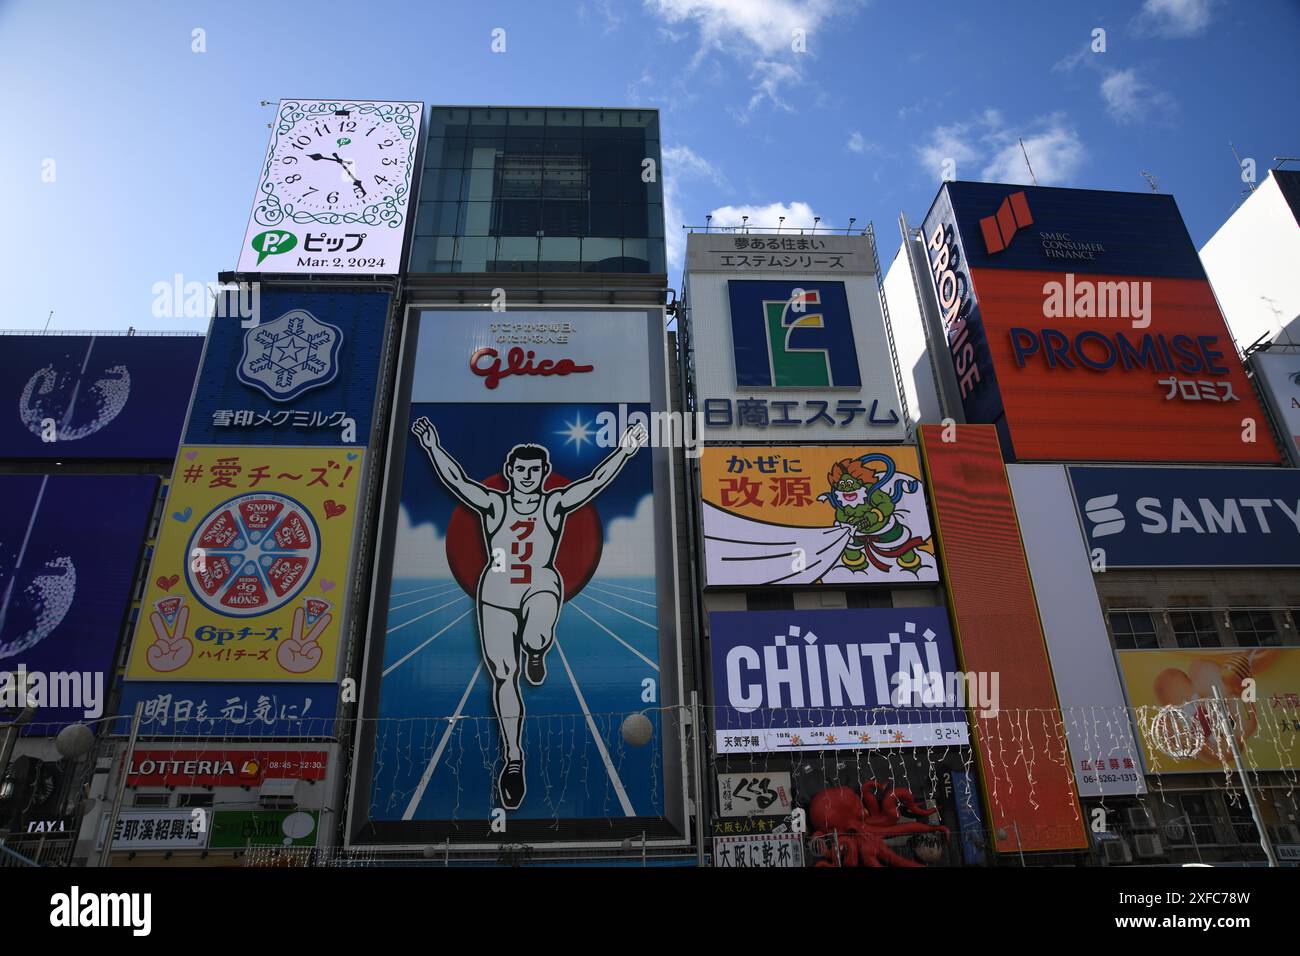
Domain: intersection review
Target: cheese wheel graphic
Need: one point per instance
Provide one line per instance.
(252, 554)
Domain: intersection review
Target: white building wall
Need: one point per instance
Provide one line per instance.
(1252, 264)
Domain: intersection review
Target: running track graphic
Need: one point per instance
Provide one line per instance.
(428, 767)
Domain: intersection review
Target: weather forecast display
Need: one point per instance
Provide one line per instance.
(528, 596)
(102, 396)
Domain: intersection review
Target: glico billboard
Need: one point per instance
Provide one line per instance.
(1081, 324)
(521, 676)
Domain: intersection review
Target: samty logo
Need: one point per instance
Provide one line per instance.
(1194, 516)
(290, 355)
(1105, 517)
(787, 335)
(1011, 216)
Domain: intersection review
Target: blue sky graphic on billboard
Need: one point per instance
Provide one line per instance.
(1190, 517)
(298, 377)
(106, 396)
(197, 709)
(1073, 230)
(826, 680)
(69, 548)
(561, 616)
(786, 340)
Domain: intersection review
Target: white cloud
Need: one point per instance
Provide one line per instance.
(729, 25)
(1056, 154)
(681, 164)
(1174, 18)
(771, 75)
(1129, 98)
(959, 142)
(420, 550)
(797, 215)
(856, 143)
(1067, 63)
(628, 550)
(684, 162)
(1054, 149)
(756, 32)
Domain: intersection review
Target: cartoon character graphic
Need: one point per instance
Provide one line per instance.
(520, 591)
(862, 504)
(869, 526)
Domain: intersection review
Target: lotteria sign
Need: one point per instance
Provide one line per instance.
(1190, 517)
(1054, 340)
(223, 768)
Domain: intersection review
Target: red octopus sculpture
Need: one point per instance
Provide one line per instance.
(857, 826)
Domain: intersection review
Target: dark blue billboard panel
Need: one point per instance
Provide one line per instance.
(830, 680)
(69, 549)
(1047, 229)
(199, 709)
(305, 374)
(95, 396)
(1190, 517)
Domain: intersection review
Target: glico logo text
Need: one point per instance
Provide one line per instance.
(487, 364)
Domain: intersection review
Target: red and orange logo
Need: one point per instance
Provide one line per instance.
(999, 228)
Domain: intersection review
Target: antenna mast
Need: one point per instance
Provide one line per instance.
(1026, 155)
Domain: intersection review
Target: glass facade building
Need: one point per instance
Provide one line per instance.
(540, 190)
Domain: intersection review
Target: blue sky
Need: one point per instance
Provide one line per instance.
(156, 148)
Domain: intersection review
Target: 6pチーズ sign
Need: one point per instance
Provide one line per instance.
(249, 577)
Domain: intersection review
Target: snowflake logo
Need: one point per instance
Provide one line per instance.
(287, 356)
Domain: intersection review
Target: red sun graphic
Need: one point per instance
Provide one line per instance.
(578, 557)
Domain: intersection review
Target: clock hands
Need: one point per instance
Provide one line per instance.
(334, 158)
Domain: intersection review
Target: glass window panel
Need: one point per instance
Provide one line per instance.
(445, 153)
(477, 219)
(528, 117)
(488, 120)
(442, 185)
(558, 250)
(448, 121)
(571, 119)
(595, 252)
(606, 220)
(565, 218)
(1194, 628)
(641, 119)
(636, 255)
(564, 143)
(517, 217)
(484, 154)
(658, 262)
(654, 217)
(602, 118)
(634, 220)
(517, 249)
(474, 253)
(479, 185)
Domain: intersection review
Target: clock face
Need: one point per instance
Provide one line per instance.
(342, 162)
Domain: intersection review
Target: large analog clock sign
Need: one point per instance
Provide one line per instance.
(335, 189)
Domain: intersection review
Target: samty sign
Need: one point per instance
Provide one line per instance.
(1190, 517)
